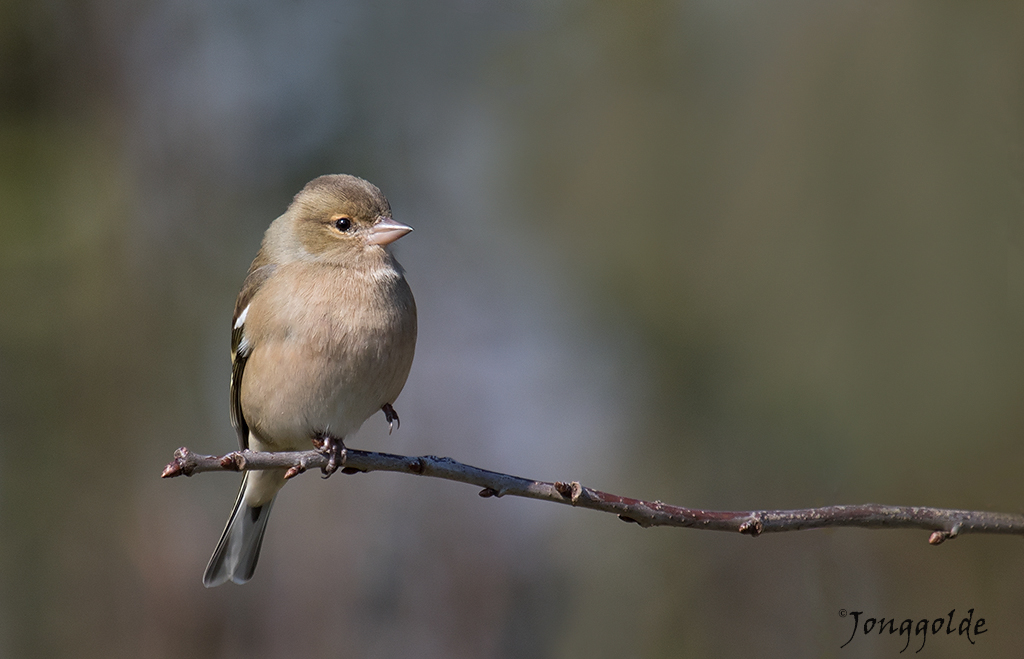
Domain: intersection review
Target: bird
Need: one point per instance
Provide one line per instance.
(323, 337)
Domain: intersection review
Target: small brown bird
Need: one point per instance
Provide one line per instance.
(323, 337)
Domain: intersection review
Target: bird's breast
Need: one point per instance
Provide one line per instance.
(337, 347)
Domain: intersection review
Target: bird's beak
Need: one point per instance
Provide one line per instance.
(385, 231)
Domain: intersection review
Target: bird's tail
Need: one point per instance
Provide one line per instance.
(239, 547)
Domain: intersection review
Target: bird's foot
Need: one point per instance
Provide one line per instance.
(392, 417)
(334, 449)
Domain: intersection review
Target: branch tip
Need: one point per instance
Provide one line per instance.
(171, 470)
(182, 464)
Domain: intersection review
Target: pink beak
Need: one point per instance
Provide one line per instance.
(386, 231)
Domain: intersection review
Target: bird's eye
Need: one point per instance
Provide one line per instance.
(343, 224)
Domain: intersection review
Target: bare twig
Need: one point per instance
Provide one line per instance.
(944, 523)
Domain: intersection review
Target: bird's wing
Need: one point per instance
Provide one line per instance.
(241, 348)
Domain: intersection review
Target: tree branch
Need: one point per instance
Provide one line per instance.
(944, 523)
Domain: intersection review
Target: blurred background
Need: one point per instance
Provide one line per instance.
(728, 255)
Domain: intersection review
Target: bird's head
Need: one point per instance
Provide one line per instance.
(341, 220)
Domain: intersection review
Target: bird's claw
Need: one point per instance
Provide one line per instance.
(392, 417)
(334, 449)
